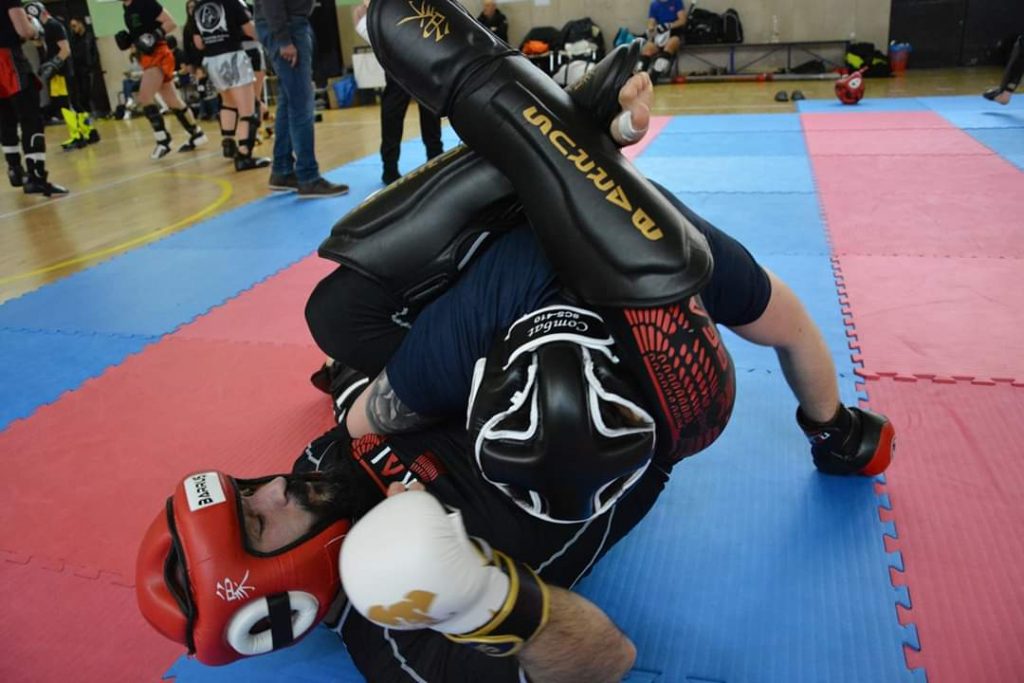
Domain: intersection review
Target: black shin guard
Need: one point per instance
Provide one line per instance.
(249, 142)
(228, 145)
(610, 235)
(156, 122)
(187, 121)
(1015, 67)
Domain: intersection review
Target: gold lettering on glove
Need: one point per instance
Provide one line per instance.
(413, 610)
(600, 179)
(433, 23)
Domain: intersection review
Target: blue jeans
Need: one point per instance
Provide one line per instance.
(293, 127)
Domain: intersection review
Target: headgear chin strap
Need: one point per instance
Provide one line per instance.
(198, 583)
(555, 421)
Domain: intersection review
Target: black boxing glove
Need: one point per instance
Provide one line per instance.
(49, 69)
(854, 441)
(146, 42)
(123, 40)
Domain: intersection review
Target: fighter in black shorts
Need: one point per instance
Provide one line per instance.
(560, 462)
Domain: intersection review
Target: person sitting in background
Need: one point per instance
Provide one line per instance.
(209, 100)
(492, 18)
(1011, 76)
(666, 20)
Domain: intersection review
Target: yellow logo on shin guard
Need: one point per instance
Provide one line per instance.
(613, 192)
(413, 610)
(433, 23)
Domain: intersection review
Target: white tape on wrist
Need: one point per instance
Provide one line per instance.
(626, 130)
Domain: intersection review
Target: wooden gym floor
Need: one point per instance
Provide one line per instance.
(120, 199)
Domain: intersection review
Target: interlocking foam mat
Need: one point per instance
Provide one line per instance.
(752, 567)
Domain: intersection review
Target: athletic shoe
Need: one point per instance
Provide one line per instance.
(284, 183)
(94, 136)
(321, 187)
(996, 95)
(248, 162)
(160, 151)
(195, 140)
(43, 187)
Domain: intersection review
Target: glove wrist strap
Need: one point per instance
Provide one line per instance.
(523, 614)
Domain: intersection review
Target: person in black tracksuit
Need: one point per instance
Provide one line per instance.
(394, 103)
(19, 105)
(1011, 75)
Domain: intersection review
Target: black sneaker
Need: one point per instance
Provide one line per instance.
(321, 187)
(284, 183)
(194, 140)
(247, 162)
(43, 186)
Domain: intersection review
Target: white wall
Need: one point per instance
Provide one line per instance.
(797, 19)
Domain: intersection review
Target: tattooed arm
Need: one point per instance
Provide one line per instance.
(378, 410)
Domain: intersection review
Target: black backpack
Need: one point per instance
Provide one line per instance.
(703, 27)
(583, 29)
(732, 27)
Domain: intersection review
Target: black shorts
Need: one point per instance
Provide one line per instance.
(257, 59)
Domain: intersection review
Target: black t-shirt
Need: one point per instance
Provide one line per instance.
(9, 38)
(440, 458)
(219, 23)
(141, 17)
(55, 32)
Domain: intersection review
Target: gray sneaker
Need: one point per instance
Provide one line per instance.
(321, 187)
(284, 183)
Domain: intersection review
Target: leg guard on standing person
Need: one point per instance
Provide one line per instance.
(9, 142)
(228, 145)
(244, 160)
(591, 210)
(196, 136)
(163, 138)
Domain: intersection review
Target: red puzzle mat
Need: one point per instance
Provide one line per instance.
(937, 316)
(880, 121)
(957, 491)
(101, 457)
(69, 628)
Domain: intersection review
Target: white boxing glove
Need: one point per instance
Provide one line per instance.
(408, 564)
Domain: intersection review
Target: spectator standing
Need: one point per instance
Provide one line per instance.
(284, 30)
(492, 18)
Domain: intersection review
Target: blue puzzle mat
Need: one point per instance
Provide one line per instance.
(790, 173)
(765, 223)
(733, 123)
(733, 143)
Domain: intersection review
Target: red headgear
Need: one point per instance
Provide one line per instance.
(850, 88)
(198, 582)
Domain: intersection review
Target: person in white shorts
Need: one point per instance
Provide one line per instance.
(221, 26)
